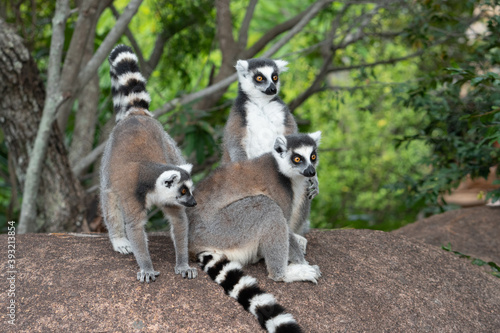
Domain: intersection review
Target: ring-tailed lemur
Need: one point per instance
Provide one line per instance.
(141, 167)
(256, 119)
(242, 216)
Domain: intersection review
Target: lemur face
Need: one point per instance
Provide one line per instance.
(174, 187)
(260, 77)
(297, 154)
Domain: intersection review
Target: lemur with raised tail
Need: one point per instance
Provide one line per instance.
(243, 215)
(141, 167)
(256, 119)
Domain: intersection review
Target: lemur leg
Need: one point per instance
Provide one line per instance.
(297, 248)
(277, 243)
(113, 219)
(139, 241)
(179, 233)
(274, 247)
(301, 242)
(299, 222)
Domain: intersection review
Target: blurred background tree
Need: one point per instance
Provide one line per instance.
(405, 92)
(459, 93)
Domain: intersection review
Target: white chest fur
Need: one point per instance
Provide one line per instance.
(264, 124)
(299, 186)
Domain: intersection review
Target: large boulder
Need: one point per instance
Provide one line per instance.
(471, 231)
(372, 282)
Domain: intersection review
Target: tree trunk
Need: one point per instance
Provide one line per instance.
(60, 196)
(88, 100)
(229, 49)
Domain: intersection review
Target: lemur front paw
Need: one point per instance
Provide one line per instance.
(313, 189)
(316, 268)
(301, 272)
(143, 275)
(121, 245)
(186, 271)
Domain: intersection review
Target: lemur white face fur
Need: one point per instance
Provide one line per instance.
(171, 189)
(297, 158)
(259, 78)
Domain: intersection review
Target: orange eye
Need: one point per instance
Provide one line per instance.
(296, 159)
(259, 78)
(275, 78)
(183, 191)
(313, 157)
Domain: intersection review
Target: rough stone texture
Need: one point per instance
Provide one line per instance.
(472, 231)
(372, 282)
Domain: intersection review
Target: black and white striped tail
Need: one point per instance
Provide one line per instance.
(229, 275)
(128, 86)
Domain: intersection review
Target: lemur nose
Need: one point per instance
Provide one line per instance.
(271, 90)
(310, 171)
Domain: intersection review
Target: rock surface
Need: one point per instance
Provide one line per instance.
(471, 231)
(372, 282)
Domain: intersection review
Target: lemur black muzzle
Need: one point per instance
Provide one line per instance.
(271, 90)
(309, 171)
(190, 202)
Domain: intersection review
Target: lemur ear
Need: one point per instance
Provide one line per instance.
(188, 167)
(316, 136)
(241, 66)
(280, 144)
(167, 178)
(281, 65)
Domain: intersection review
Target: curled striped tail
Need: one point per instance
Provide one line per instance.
(128, 86)
(229, 275)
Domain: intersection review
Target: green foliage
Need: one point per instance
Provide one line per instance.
(188, 26)
(495, 269)
(199, 136)
(461, 103)
(358, 160)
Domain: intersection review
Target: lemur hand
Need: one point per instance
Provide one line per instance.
(313, 189)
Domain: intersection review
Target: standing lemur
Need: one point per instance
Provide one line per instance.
(256, 119)
(141, 167)
(243, 215)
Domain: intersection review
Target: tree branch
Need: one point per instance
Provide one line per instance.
(361, 21)
(376, 63)
(27, 220)
(74, 55)
(313, 88)
(326, 45)
(273, 33)
(155, 56)
(107, 44)
(169, 106)
(310, 13)
(87, 161)
(243, 34)
(88, 100)
(131, 38)
(229, 49)
(328, 53)
(228, 45)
